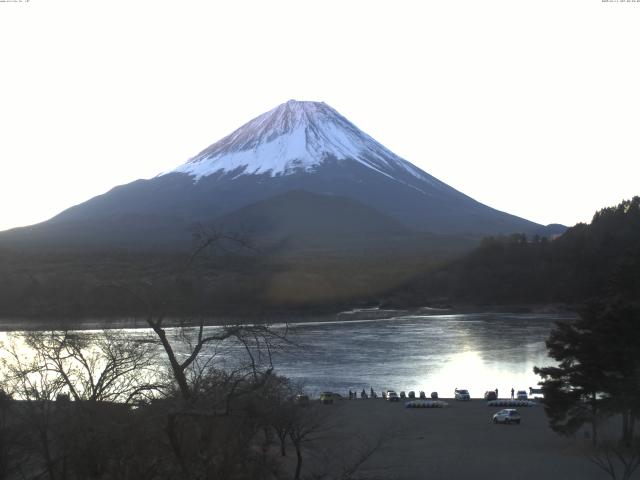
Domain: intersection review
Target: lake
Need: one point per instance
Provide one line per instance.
(478, 352)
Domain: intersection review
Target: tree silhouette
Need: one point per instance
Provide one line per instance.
(599, 369)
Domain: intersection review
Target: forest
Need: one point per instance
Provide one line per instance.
(586, 262)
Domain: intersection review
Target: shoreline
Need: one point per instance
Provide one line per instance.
(355, 314)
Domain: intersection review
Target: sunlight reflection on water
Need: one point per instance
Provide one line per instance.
(478, 352)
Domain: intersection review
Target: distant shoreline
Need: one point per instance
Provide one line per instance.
(356, 314)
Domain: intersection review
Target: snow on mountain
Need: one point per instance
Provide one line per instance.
(278, 174)
(293, 137)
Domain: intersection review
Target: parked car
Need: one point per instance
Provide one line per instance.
(327, 397)
(522, 395)
(403, 395)
(508, 415)
(301, 399)
(392, 396)
(434, 395)
(461, 394)
(422, 395)
(490, 395)
(412, 394)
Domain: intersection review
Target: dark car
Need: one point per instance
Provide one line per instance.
(327, 397)
(462, 394)
(490, 395)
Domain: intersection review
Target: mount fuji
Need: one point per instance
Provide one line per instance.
(293, 138)
(300, 170)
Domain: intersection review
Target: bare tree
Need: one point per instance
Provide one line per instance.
(102, 372)
(344, 460)
(25, 378)
(360, 453)
(619, 460)
(107, 367)
(255, 339)
(307, 426)
(13, 458)
(218, 372)
(280, 409)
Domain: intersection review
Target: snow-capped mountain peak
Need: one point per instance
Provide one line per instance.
(296, 136)
(298, 173)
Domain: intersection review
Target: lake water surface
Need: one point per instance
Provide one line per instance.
(478, 352)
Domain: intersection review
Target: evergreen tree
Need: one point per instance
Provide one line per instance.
(599, 369)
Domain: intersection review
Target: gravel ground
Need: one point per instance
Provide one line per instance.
(456, 442)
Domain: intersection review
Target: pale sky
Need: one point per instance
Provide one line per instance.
(531, 107)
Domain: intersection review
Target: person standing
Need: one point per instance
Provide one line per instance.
(512, 391)
(496, 393)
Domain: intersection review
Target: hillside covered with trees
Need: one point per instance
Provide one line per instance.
(587, 261)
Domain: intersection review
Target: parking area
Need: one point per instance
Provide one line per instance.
(459, 442)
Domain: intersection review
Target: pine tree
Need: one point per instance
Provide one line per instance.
(598, 374)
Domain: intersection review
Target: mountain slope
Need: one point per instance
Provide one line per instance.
(301, 222)
(298, 146)
(310, 215)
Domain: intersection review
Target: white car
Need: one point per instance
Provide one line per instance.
(392, 396)
(462, 395)
(508, 415)
(522, 395)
